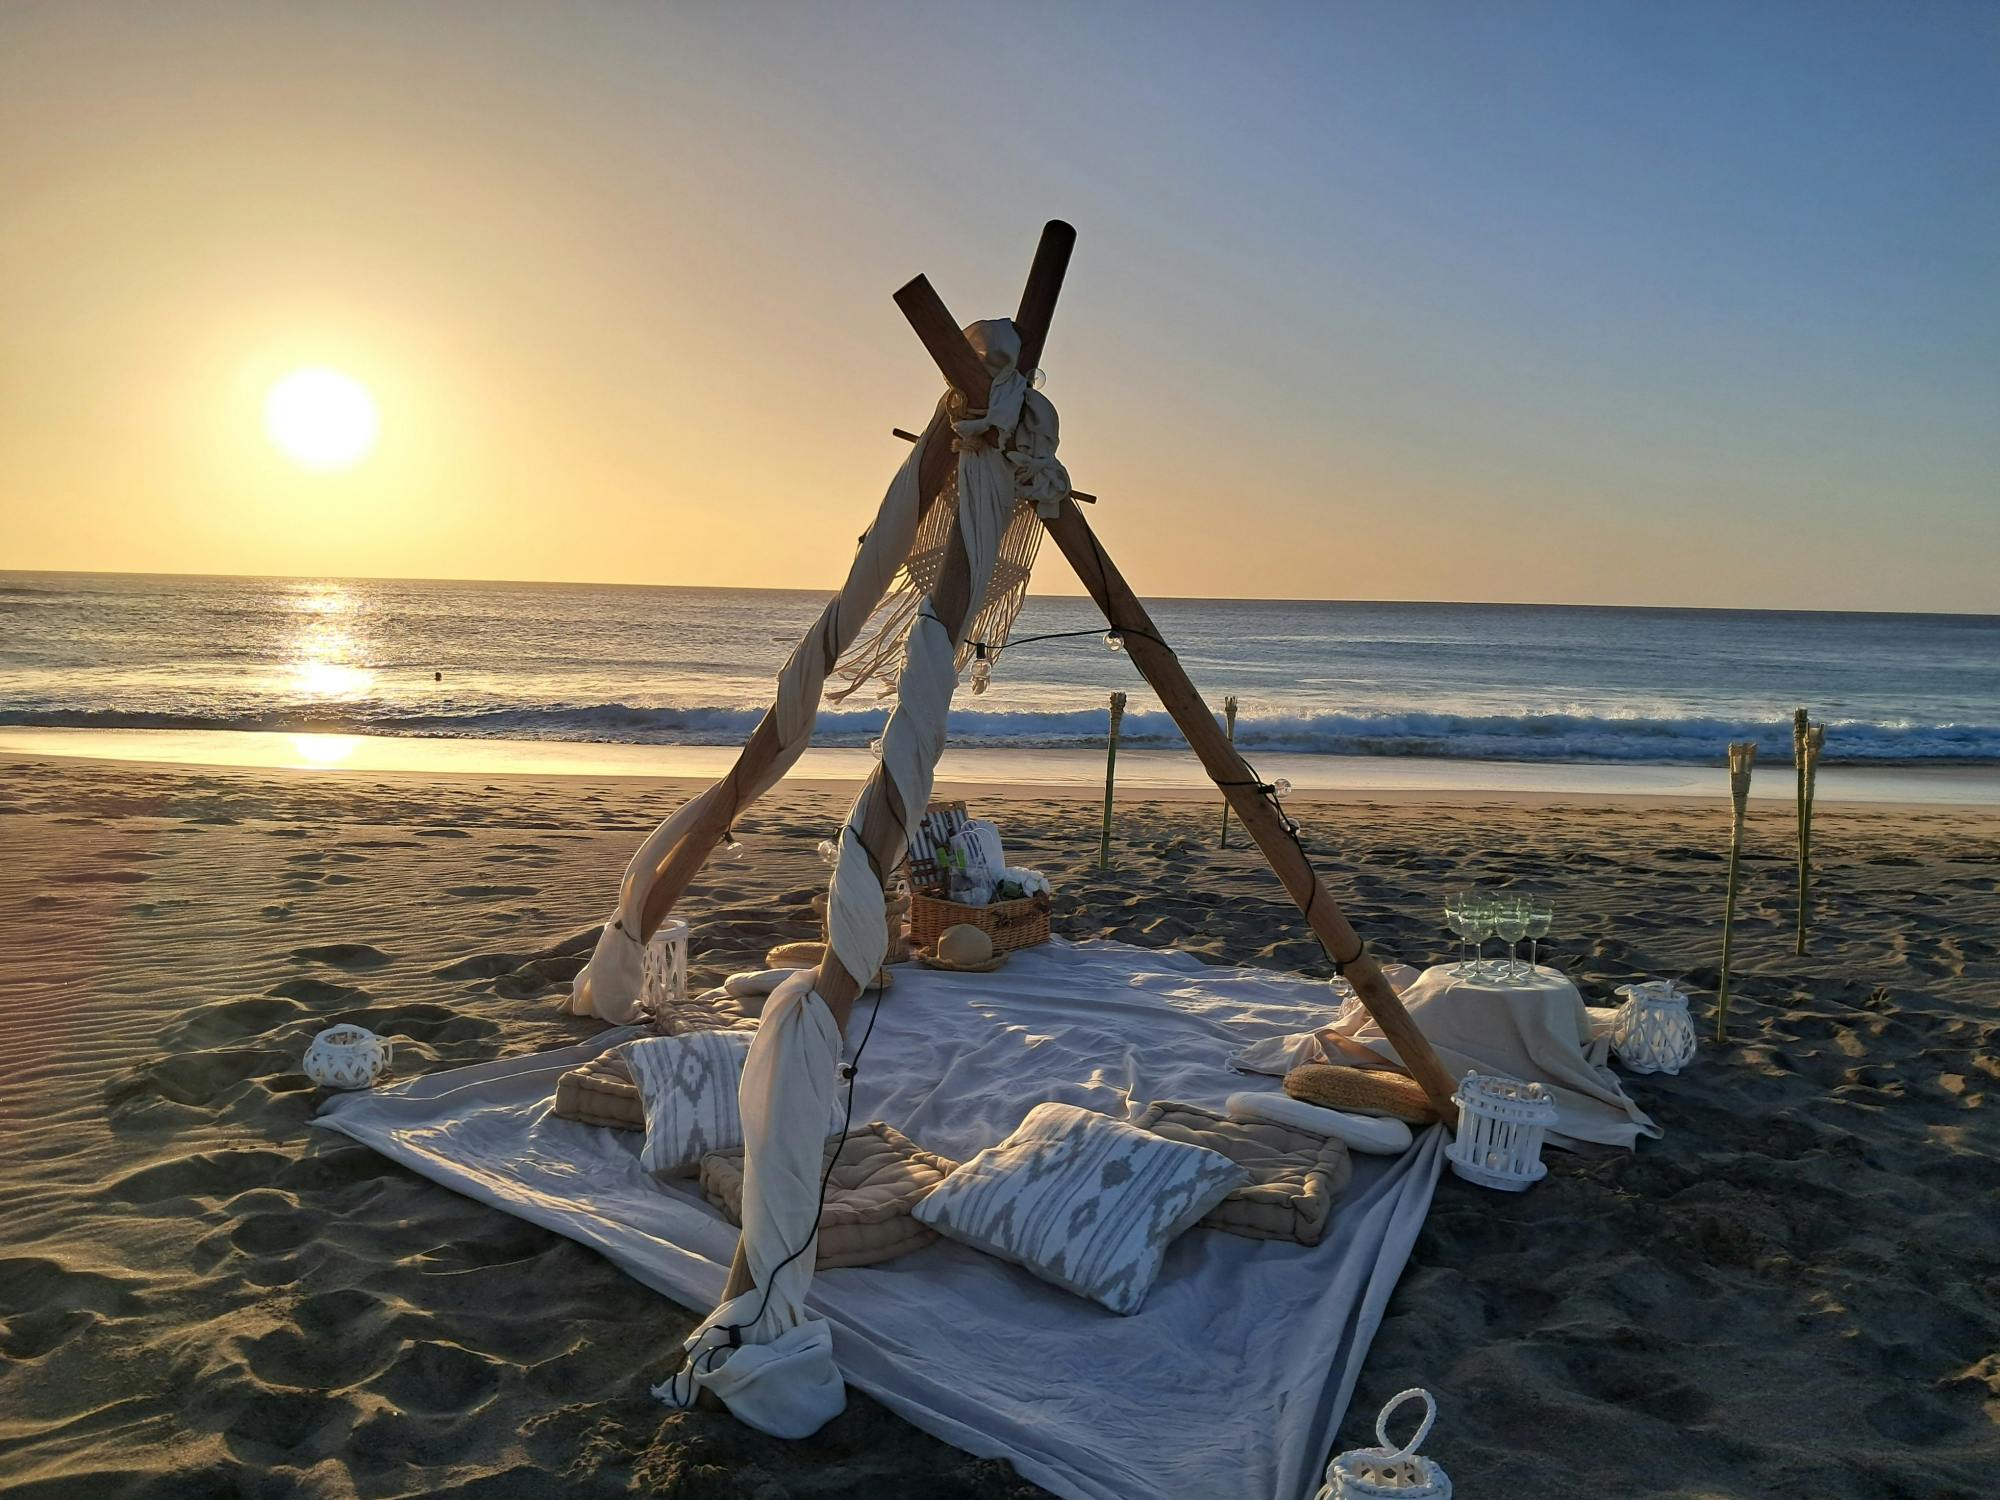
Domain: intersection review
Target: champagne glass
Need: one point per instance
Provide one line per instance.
(1479, 912)
(1456, 918)
(1541, 914)
(1510, 924)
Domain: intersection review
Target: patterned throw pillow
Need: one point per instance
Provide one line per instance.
(1082, 1200)
(689, 1085)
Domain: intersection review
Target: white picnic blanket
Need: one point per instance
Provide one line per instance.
(1229, 1382)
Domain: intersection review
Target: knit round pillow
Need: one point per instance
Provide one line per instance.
(1361, 1091)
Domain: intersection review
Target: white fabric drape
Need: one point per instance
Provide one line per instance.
(608, 985)
(759, 1352)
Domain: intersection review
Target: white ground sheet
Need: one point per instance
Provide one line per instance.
(1230, 1381)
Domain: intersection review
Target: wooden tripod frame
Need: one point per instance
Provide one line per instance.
(883, 835)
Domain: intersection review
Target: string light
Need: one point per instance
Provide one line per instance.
(1115, 639)
(732, 847)
(829, 852)
(982, 668)
(875, 747)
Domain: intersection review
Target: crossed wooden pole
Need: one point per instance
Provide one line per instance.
(883, 834)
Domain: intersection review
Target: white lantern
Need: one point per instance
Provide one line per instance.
(1501, 1122)
(666, 975)
(348, 1057)
(1652, 1032)
(1389, 1472)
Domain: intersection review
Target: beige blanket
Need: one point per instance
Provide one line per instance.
(1536, 1028)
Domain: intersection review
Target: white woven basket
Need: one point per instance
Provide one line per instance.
(1501, 1122)
(1389, 1472)
(348, 1057)
(1652, 1032)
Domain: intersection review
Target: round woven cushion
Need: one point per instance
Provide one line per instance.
(1362, 1091)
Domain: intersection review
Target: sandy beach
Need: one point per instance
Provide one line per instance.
(1796, 1292)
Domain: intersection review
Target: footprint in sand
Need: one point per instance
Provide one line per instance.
(343, 955)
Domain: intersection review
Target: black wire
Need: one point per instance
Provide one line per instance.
(735, 1331)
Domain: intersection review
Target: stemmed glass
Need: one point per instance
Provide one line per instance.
(1541, 914)
(1459, 923)
(1510, 924)
(1479, 915)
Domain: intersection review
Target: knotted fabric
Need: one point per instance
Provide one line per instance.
(760, 1352)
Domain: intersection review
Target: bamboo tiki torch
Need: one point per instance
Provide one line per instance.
(1110, 771)
(1808, 775)
(1742, 755)
(1801, 722)
(1229, 715)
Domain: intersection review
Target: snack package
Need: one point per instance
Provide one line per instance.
(977, 862)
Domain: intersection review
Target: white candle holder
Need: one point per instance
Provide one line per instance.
(1501, 1122)
(348, 1057)
(666, 972)
(1652, 1032)
(1389, 1472)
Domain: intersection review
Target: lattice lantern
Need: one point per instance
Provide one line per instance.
(1652, 1032)
(1501, 1122)
(666, 976)
(348, 1057)
(1389, 1472)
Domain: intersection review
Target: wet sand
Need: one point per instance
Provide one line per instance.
(1796, 1292)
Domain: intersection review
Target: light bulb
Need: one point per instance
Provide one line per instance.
(1281, 788)
(982, 675)
(1115, 640)
(1038, 378)
(875, 747)
(732, 847)
(829, 852)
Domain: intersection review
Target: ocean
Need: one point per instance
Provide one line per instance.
(694, 666)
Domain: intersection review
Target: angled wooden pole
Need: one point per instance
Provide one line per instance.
(1264, 822)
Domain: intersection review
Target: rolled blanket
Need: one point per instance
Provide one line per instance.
(1360, 1133)
(1366, 1091)
(601, 1092)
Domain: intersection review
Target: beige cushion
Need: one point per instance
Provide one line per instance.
(601, 1092)
(879, 1175)
(1294, 1176)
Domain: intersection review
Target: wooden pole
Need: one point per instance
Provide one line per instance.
(1229, 713)
(1110, 771)
(1271, 829)
(1800, 723)
(1742, 756)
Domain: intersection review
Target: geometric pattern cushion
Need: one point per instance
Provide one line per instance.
(1294, 1176)
(879, 1175)
(689, 1084)
(1082, 1200)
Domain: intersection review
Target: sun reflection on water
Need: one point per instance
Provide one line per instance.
(325, 656)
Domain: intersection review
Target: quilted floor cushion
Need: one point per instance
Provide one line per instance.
(879, 1176)
(1294, 1176)
(601, 1092)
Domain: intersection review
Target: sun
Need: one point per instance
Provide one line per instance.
(321, 419)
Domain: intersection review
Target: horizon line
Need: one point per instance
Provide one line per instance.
(1724, 609)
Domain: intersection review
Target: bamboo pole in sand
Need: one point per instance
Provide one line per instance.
(1110, 772)
(1228, 733)
(1742, 756)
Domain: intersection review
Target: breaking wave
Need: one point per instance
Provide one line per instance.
(1562, 738)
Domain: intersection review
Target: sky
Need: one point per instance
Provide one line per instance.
(1612, 303)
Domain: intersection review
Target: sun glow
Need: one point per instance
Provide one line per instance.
(321, 419)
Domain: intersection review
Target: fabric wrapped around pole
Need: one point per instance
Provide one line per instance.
(760, 1352)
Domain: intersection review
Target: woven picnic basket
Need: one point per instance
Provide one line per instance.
(1011, 924)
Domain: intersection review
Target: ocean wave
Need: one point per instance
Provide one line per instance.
(1561, 738)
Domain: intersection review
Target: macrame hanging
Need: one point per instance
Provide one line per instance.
(1041, 483)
